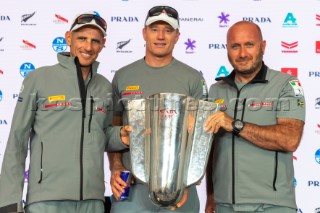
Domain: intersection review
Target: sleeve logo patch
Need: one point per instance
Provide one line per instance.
(297, 88)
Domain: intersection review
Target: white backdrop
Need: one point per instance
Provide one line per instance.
(31, 31)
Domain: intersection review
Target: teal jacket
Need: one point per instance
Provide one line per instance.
(66, 143)
(242, 172)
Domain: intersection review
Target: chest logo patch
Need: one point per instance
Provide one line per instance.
(219, 101)
(132, 93)
(130, 88)
(56, 98)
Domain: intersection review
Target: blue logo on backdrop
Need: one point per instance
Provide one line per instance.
(290, 21)
(59, 44)
(3, 122)
(313, 183)
(15, 95)
(4, 18)
(124, 19)
(217, 46)
(257, 19)
(0, 95)
(315, 74)
(222, 72)
(317, 156)
(25, 68)
(295, 182)
(191, 19)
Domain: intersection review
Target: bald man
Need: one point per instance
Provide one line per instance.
(258, 128)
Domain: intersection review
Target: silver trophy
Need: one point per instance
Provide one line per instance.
(169, 147)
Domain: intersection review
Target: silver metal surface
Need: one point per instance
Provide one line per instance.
(169, 147)
(136, 118)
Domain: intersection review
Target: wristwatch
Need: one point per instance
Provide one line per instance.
(237, 126)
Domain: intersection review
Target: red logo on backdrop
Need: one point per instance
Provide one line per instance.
(60, 18)
(289, 47)
(317, 46)
(290, 71)
(29, 44)
(1, 72)
(318, 128)
(318, 19)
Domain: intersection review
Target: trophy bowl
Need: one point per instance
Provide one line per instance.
(169, 146)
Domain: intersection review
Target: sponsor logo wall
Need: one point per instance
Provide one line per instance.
(32, 34)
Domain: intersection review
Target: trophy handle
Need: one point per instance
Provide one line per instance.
(200, 144)
(136, 118)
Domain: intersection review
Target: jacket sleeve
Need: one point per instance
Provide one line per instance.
(113, 142)
(200, 89)
(13, 166)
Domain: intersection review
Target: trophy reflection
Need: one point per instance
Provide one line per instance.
(169, 147)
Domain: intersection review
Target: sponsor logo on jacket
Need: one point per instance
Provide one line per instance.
(57, 98)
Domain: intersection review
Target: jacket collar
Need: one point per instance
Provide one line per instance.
(67, 61)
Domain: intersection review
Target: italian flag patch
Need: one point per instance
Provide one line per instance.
(297, 88)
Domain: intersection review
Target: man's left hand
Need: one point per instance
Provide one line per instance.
(182, 201)
(124, 134)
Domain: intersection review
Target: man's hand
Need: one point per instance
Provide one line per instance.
(124, 134)
(182, 201)
(218, 120)
(117, 184)
(210, 205)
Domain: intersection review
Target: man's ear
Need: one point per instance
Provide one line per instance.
(144, 32)
(67, 36)
(177, 36)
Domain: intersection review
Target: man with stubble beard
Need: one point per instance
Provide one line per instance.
(258, 128)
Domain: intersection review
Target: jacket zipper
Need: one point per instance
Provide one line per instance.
(275, 171)
(233, 155)
(41, 169)
(233, 141)
(91, 112)
(83, 95)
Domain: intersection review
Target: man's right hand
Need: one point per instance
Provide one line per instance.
(210, 205)
(117, 184)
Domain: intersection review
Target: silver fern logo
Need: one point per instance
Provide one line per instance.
(121, 45)
(26, 17)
